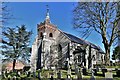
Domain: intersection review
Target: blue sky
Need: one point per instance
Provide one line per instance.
(32, 13)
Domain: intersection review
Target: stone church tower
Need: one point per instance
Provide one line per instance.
(46, 33)
(43, 47)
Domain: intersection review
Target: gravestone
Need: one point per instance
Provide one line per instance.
(0, 76)
(3, 74)
(118, 72)
(51, 78)
(76, 69)
(108, 75)
(19, 73)
(104, 70)
(79, 74)
(97, 68)
(39, 74)
(59, 75)
(84, 71)
(28, 74)
(6, 73)
(14, 77)
(51, 74)
(92, 73)
(95, 71)
(67, 77)
(34, 75)
(9, 77)
(92, 77)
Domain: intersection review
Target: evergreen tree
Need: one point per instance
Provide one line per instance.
(15, 44)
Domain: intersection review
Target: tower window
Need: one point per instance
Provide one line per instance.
(50, 35)
(41, 34)
(79, 58)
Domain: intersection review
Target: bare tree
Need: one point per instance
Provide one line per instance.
(100, 17)
(5, 14)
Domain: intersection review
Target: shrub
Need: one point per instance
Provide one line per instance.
(26, 68)
(118, 72)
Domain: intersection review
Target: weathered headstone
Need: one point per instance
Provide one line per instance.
(6, 73)
(118, 72)
(3, 74)
(97, 68)
(95, 71)
(59, 75)
(34, 75)
(76, 69)
(28, 74)
(9, 77)
(84, 71)
(51, 74)
(19, 73)
(68, 77)
(14, 77)
(79, 75)
(104, 70)
(92, 77)
(51, 78)
(92, 73)
(109, 75)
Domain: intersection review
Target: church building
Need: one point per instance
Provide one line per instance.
(55, 48)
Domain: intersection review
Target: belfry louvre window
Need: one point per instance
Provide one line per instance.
(50, 35)
(41, 34)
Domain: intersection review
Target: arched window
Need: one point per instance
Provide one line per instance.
(59, 48)
(50, 35)
(104, 58)
(41, 34)
(60, 56)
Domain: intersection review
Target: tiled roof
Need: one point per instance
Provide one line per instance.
(75, 39)
(82, 42)
(18, 65)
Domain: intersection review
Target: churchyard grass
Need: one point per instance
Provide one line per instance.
(112, 66)
(116, 78)
(45, 75)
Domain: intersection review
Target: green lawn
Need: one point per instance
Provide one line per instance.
(45, 74)
(116, 78)
(112, 66)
